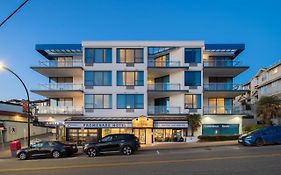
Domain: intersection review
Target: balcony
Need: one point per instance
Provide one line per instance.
(164, 89)
(56, 90)
(163, 110)
(165, 67)
(223, 89)
(223, 67)
(223, 110)
(60, 110)
(53, 68)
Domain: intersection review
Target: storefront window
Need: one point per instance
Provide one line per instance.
(107, 131)
(169, 135)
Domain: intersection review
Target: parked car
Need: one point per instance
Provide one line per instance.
(126, 144)
(53, 149)
(262, 136)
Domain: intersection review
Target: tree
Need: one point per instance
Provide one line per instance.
(194, 122)
(268, 107)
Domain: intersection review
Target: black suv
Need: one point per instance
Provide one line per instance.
(124, 143)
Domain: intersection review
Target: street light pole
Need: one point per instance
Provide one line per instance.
(28, 103)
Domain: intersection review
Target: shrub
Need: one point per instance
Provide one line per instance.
(218, 138)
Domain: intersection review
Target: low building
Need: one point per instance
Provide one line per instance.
(13, 123)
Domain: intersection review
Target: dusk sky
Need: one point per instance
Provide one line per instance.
(257, 23)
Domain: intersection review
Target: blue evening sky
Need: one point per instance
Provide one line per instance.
(257, 23)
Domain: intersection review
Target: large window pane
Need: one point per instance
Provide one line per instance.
(193, 101)
(89, 101)
(107, 101)
(107, 78)
(89, 77)
(98, 78)
(139, 101)
(98, 101)
(130, 78)
(192, 55)
(139, 78)
(129, 55)
(121, 101)
(99, 56)
(192, 78)
(89, 56)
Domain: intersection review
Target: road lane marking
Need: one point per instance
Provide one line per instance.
(140, 163)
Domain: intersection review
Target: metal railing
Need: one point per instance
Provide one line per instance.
(59, 110)
(223, 87)
(222, 63)
(60, 86)
(163, 110)
(155, 63)
(164, 87)
(222, 110)
(56, 63)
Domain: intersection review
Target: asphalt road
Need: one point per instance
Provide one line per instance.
(214, 160)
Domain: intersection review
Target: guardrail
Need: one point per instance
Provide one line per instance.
(59, 110)
(60, 86)
(222, 63)
(164, 87)
(223, 86)
(155, 63)
(55, 63)
(163, 110)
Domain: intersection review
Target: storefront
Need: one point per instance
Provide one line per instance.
(84, 130)
(220, 129)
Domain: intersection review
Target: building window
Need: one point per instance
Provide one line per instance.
(130, 101)
(192, 78)
(61, 102)
(60, 79)
(264, 77)
(130, 55)
(263, 90)
(98, 101)
(192, 101)
(130, 78)
(192, 55)
(98, 55)
(98, 78)
(220, 105)
(275, 70)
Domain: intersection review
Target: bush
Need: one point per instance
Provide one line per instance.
(247, 129)
(218, 138)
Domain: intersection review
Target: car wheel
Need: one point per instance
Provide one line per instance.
(92, 152)
(22, 156)
(56, 154)
(127, 150)
(259, 142)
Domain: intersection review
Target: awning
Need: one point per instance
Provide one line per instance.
(170, 124)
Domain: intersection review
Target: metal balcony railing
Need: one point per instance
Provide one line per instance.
(55, 63)
(59, 110)
(222, 63)
(154, 63)
(164, 87)
(222, 110)
(163, 110)
(60, 86)
(223, 87)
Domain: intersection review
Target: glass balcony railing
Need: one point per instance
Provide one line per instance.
(60, 86)
(154, 63)
(222, 63)
(164, 87)
(222, 110)
(163, 110)
(55, 63)
(59, 110)
(223, 87)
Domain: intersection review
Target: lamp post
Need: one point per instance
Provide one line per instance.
(28, 101)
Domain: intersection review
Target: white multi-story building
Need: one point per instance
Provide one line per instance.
(266, 82)
(142, 87)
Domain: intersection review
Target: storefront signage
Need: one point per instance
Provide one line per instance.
(142, 122)
(111, 124)
(170, 124)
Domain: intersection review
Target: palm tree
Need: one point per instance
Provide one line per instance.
(194, 121)
(268, 107)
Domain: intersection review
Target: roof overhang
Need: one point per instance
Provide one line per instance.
(233, 49)
(50, 50)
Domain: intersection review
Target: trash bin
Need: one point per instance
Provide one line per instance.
(14, 147)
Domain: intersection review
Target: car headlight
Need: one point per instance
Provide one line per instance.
(248, 137)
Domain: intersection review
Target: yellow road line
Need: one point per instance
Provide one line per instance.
(138, 163)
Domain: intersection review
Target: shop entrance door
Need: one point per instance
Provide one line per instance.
(140, 133)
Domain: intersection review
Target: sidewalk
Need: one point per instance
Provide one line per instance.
(5, 150)
(171, 145)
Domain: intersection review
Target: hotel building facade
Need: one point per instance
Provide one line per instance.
(143, 87)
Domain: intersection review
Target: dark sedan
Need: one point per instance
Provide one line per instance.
(53, 149)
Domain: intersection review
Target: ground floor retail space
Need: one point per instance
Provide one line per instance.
(146, 129)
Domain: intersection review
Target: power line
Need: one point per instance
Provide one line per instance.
(13, 13)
